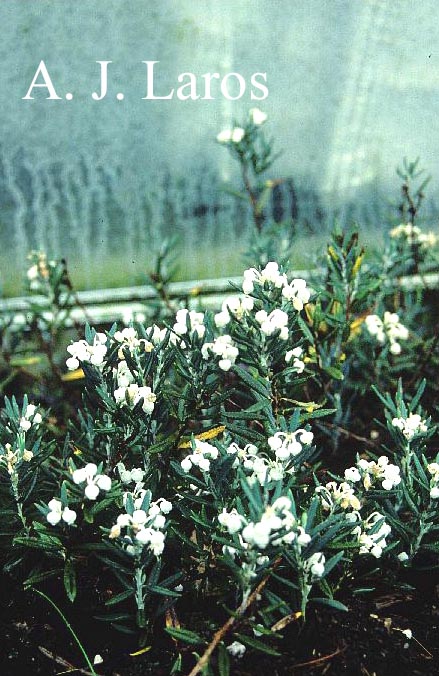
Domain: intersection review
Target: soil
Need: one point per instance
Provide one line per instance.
(367, 640)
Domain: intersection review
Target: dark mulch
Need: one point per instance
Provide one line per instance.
(365, 641)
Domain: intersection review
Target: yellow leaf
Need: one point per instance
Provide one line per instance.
(332, 253)
(355, 327)
(357, 264)
(141, 652)
(209, 434)
(309, 311)
(281, 624)
(73, 375)
(25, 361)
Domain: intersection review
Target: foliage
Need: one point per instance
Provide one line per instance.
(251, 457)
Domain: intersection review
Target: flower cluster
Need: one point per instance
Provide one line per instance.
(30, 417)
(127, 476)
(11, 458)
(342, 495)
(223, 348)
(39, 272)
(235, 306)
(236, 649)
(408, 232)
(234, 135)
(237, 134)
(201, 455)
(277, 320)
(144, 524)
(372, 535)
(277, 526)
(287, 444)
(57, 512)
(387, 329)
(189, 321)
(130, 395)
(314, 567)
(370, 472)
(433, 470)
(94, 482)
(297, 292)
(257, 116)
(295, 354)
(128, 337)
(270, 275)
(410, 426)
(82, 351)
(262, 469)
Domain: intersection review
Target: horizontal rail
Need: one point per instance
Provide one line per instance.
(108, 305)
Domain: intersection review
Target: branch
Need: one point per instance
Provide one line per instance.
(227, 626)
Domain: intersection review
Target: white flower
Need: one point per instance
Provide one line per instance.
(224, 348)
(25, 424)
(315, 565)
(389, 328)
(30, 417)
(32, 273)
(236, 649)
(257, 534)
(69, 516)
(295, 354)
(285, 444)
(200, 457)
(257, 116)
(352, 474)
(95, 482)
(132, 394)
(413, 235)
(297, 292)
(98, 659)
(373, 543)
(234, 135)
(82, 351)
(129, 338)
(269, 275)
(91, 491)
(403, 556)
(231, 520)
(56, 513)
(53, 518)
(277, 320)
(237, 306)
(411, 425)
(164, 505)
(194, 319)
(370, 472)
(338, 494)
(72, 363)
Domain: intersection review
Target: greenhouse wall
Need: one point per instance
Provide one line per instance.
(352, 90)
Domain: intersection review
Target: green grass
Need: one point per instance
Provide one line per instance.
(202, 263)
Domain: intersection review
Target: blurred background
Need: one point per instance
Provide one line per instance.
(353, 88)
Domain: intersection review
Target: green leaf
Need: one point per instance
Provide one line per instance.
(334, 372)
(185, 635)
(70, 580)
(257, 645)
(119, 597)
(254, 384)
(223, 660)
(329, 602)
